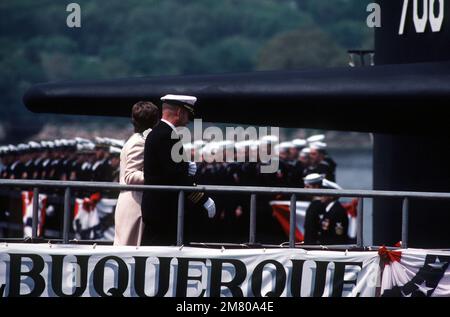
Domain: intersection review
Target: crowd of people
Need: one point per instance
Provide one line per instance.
(75, 159)
(99, 160)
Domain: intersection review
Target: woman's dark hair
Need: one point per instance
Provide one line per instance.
(144, 115)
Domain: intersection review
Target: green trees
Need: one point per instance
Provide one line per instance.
(307, 47)
(157, 37)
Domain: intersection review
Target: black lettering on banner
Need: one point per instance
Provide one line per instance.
(338, 280)
(236, 281)
(280, 280)
(183, 277)
(319, 283)
(163, 280)
(15, 273)
(297, 273)
(57, 273)
(122, 280)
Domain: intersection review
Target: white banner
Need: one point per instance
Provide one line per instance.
(416, 273)
(58, 270)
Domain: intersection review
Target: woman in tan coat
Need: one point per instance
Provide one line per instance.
(128, 215)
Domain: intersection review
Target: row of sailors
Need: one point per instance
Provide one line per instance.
(228, 163)
(99, 160)
(84, 160)
(77, 160)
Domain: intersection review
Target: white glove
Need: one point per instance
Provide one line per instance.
(210, 206)
(192, 168)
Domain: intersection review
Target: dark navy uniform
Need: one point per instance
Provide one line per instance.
(159, 209)
(314, 212)
(333, 224)
(323, 168)
(102, 171)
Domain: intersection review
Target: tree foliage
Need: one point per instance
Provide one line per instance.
(158, 37)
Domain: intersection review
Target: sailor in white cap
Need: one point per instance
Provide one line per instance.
(296, 146)
(304, 156)
(159, 209)
(326, 220)
(186, 102)
(333, 226)
(317, 161)
(314, 210)
(17, 168)
(114, 161)
(315, 138)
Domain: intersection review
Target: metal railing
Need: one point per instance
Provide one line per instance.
(36, 185)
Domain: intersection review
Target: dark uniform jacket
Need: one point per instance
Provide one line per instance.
(314, 212)
(102, 171)
(159, 208)
(322, 168)
(334, 225)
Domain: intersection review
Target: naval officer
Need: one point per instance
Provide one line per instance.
(159, 208)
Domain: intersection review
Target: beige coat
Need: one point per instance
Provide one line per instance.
(128, 215)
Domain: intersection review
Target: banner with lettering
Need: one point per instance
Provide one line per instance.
(58, 270)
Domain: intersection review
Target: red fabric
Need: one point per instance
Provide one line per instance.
(389, 256)
(95, 198)
(24, 203)
(76, 210)
(281, 213)
(351, 208)
(90, 203)
(27, 200)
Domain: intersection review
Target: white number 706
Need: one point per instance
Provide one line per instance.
(420, 23)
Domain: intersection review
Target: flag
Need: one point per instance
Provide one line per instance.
(415, 273)
(27, 212)
(94, 217)
(86, 218)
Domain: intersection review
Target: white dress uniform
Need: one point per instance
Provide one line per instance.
(128, 215)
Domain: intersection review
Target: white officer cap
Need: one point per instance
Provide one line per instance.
(316, 138)
(330, 185)
(285, 146)
(102, 142)
(113, 150)
(269, 139)
(190, 100)
(299, 143)
(79, 140)
(86, 147)
(318, 146)
(12, 148)
(313, 179)
(23, 147)
(58, 143)
(71, 142)
(187, 102)
(117, 143)
(34, 145)
(305, 152)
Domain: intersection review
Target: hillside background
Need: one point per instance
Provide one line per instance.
(162, 37)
